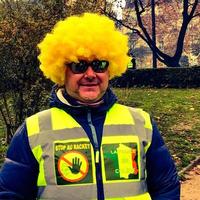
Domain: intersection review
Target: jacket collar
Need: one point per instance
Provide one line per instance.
(59, 98)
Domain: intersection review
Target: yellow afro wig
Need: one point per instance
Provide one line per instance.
(89, 36)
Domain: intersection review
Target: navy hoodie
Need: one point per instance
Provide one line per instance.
(18, 175)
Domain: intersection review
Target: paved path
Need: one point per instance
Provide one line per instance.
(190, 189)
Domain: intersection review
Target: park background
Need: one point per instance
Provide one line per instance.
(164, 79)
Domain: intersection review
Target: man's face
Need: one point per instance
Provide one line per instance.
(87, 87)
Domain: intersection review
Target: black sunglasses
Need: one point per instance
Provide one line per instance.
(98, 66)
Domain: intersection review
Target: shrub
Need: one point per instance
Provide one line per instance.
(160, 77)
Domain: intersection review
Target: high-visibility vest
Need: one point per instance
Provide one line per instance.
(67, 161)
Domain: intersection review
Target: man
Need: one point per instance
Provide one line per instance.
(87, 146)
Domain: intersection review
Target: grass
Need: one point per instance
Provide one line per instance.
(177, 113)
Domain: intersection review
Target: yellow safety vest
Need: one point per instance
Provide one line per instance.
(67, 161)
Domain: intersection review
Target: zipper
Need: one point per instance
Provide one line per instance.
(100, 192)
(94, 136)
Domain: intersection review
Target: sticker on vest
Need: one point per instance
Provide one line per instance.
(73, 163)
(120, 161)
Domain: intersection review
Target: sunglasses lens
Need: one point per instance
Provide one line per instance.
(100, 66)
(78, 68)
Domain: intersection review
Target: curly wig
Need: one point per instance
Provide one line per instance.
(89, 36)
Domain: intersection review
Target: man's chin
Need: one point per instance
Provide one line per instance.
(89, 94)
(89, 98)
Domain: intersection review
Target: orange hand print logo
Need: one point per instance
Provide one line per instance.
(73, 166)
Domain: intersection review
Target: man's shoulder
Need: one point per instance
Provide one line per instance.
(42, 112)
(138, 114)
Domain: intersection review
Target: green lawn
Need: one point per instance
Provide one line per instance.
(177, 113)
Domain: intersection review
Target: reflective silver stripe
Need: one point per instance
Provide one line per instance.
(140, 122)
(81, 192)
(119, 190)
(119, 129)
(45, 120)
(124, 189)
(145, 135)
(49, 136)
(52, 135)
(49, 164)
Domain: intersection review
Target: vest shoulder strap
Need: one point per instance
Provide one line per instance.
(127, 115)
(50, 119)
(142, 115)
(33, 122)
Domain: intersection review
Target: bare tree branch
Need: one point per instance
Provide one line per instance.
(193, 9)
(196, 15)
(142, 7)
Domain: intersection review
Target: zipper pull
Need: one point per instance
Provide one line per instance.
(97, 156)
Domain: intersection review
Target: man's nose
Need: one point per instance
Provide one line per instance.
(90, 72)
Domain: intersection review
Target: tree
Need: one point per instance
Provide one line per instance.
(190, 10)
(22, 25)
(81, 6)
(153, 21)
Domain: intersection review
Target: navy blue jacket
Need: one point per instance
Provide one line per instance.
(18, 176)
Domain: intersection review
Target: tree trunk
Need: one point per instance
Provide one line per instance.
(153, 18)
